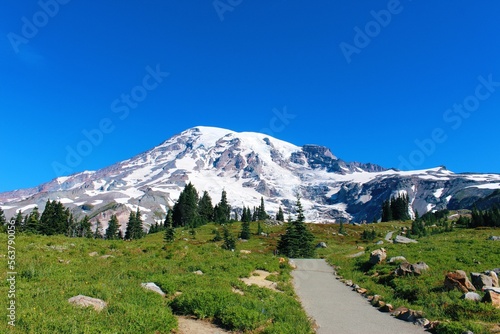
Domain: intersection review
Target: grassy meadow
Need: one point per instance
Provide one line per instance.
(52, 269)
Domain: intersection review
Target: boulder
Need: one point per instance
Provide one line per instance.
(472, 296)
(422, 322)
(494, 238)
(93, 254)
(407, 315)
(492, 296)
(198, 272)
(86, 301)
(458, 280)
(377, 256)
(406, 268)
(481, 280)
(321, 245)
(397, 259)
(153, 287)
(494, 278)
(386, 308)
(403, 240)
(380, 242)
(244, 251)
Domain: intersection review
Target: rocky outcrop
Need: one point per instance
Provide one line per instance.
(458, 280)
(153, 287)
(406, 268)
(85, 301)
(404, 240)
(481, 280)
(492, 296)
(378, 256)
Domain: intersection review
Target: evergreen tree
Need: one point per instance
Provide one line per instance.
(262, 214)
(342, 230)
(134, 226)
(169, 227)
(298, 241)
(84, 228)
(245, 231)
(255, 215)
(229, 241)
(112, 230)
(205, 208)
(280, 215)
(3, 221)
(18, 221)
(185, 211)
(55, 219)
(259, 229)
(222, 212)
(33, 222)
(98, 230)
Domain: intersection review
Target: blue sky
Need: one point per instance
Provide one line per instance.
(409, 84)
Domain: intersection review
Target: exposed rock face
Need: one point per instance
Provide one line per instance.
(492, 296)
(404, 240)
(472, 296)
(481, 280)
(86, 301)
(494, 278)
(213, 159)
(406, 268)
(458, 280)
(377, 256)
(153, 287)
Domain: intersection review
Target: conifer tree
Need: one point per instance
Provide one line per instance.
(185, 211)
(33, 221)
(112, 230)
(298, 241)
(134, 226)
(262, 214)
(280, 215)
(205, 208)
(18, 221)
(229, 241)
(3, 221)
(245, 231)
(223, 210)
(98, 230)
(84, 228)
(169, 228)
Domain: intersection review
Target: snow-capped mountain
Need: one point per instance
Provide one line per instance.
(250, 165)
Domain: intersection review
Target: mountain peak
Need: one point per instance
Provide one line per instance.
(249, 165)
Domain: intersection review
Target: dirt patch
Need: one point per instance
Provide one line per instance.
(258, 277)
(189, 325)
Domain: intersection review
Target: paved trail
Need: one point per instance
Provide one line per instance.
(338, 309)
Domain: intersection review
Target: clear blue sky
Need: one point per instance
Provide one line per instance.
(231, 66)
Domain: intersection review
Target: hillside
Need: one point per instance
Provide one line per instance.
(250, 166)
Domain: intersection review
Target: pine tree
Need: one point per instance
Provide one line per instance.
(3, 221)
(98, 230)
(205, 208)
(134, 226)
(112, 230)
(18, 221)
(222, 212)
(342, 230)
(185, 211)
(262, 214)
(84, 228)
(245, 231)
(297, 241)
(229, 241)
(259, 229)
(280, 215)
(169, 228)
(255, 215)
(33, 222)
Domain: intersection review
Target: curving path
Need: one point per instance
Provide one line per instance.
(338, 309)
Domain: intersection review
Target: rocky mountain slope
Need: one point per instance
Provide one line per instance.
(250, 165)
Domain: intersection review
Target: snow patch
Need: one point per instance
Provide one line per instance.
(438, 193)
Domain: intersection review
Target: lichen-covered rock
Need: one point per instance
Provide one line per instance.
(85, 301)
(458, 280)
